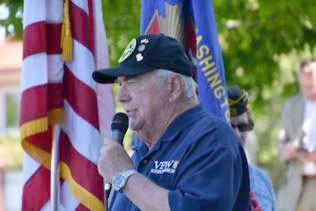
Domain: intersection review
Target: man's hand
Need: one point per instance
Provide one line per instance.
(308, 156)
(311, 156)
(113, 159)
(291, 151)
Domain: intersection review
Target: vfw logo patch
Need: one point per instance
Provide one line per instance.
(168, 166)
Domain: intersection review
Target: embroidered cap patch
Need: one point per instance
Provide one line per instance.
(128, 51)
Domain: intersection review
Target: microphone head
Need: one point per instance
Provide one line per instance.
(120, 122)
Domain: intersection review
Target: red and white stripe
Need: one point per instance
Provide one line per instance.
(49, 84)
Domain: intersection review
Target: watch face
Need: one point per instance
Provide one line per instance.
(118, 182)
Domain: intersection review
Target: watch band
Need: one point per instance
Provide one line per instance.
(119, 180)
(128, 173)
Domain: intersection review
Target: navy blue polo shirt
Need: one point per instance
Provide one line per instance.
(199, 159)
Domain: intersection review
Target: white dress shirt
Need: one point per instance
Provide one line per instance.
(309, 130)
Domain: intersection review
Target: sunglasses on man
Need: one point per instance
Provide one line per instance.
(242, 127)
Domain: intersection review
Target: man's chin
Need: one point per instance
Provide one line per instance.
(134, 127)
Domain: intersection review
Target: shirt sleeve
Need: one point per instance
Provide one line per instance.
(283, 136)
(210, 178)
(270, 191)
(262, 188)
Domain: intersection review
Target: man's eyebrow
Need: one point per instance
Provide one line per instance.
(131, 77)
(119, 79)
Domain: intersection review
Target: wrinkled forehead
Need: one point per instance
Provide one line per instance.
(144, 76)
(122, 78)
(243, 118)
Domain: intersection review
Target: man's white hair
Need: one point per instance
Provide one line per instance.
(190, 86)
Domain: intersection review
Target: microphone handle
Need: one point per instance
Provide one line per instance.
(107, 191)
(117, 136)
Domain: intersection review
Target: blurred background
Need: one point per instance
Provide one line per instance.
(263, 42)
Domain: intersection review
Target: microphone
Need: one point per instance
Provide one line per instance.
(119, 127)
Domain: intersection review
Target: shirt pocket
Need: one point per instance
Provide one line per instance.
(163, 179)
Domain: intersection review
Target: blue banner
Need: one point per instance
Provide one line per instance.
(198, 34)
(209, 62)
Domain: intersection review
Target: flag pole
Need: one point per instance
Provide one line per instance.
(54, 176)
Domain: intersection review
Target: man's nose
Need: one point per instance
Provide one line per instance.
(123, 95)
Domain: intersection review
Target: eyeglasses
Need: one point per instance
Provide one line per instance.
(242, 127)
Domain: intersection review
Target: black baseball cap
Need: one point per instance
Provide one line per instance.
(147, 53)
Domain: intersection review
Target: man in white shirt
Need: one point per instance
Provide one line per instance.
(297, 145)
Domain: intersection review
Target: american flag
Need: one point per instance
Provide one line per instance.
(55, 91)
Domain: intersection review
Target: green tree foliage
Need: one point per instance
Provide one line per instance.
(262, 42)
(12, 108)
(254, 33)
(13, 24)
(121, 20)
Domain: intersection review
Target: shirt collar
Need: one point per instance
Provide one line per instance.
(181, 122)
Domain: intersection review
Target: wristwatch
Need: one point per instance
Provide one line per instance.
(119, 180)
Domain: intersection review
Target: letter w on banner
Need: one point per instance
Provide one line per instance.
(193, 24)
(56, 91)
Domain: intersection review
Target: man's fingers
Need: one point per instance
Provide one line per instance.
(105, 141)
(108, 142)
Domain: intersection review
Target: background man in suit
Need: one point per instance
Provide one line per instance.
(297, 144)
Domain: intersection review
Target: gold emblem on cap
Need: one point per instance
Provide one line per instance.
(128, 51)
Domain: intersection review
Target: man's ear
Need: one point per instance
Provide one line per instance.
(176, 87)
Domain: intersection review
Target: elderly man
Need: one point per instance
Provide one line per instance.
(297, 145)
(188, 159)
(262, 193)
